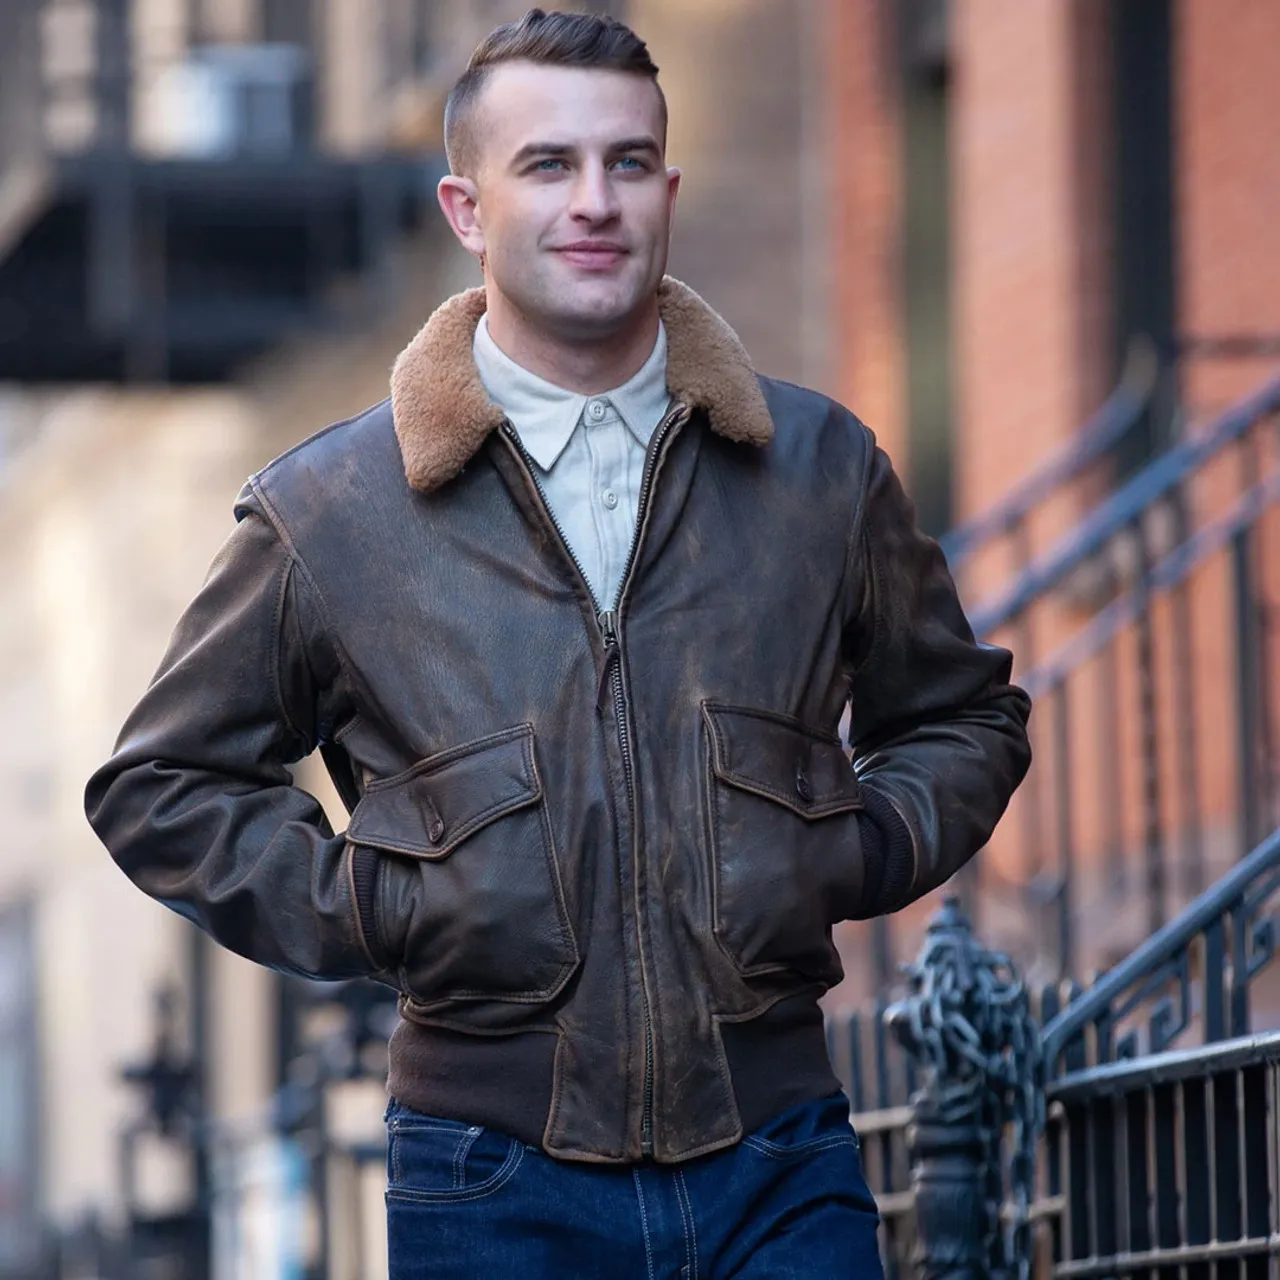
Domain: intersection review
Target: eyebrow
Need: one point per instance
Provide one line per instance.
(557, 150)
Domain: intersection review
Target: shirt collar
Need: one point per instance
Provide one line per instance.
(545, 415)
(643, 398)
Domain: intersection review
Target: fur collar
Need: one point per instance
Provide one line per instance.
(442, 413)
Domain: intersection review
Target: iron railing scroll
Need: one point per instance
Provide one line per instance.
(1153, 1155)
(980, 1109)
(1198, 969)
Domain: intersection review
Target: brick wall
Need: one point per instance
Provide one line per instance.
(1033, 255)
(1025, 259)
(868, 370)
(1227, 104)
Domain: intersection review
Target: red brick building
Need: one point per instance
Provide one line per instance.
(1096, 169)
(1017, 191)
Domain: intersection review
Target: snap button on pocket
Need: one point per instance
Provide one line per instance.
(435, 823)
(804, 789)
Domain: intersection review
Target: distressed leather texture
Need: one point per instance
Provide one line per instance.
(518, 858)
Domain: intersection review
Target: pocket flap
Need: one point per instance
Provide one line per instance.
(778, 758)
(428, 810)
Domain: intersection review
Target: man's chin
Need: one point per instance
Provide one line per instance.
(598, 307)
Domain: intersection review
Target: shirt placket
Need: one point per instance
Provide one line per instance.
(610, 510)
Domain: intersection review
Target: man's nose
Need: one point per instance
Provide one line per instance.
(594, 198)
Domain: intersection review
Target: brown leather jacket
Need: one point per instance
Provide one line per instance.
(599, 856)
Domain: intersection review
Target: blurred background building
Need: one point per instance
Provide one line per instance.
(1010, 235)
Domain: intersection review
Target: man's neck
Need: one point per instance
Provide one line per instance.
(587, 368)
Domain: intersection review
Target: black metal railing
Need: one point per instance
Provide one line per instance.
(1169, 1157)
(1009, 520)
(879, 1077)
(1129, 811)
(172, 239)
(1197, 970)
(1149, 1156)
(1169, 1164)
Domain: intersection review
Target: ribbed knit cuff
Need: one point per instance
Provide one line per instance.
(888, 855)
(364, 883)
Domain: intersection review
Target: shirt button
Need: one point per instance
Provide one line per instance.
(596, 410)
(609, 498)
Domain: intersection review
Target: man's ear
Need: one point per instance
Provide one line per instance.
(460, 203)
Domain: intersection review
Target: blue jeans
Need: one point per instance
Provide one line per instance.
(789, 1202)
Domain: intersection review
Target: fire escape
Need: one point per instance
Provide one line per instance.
(172, 205)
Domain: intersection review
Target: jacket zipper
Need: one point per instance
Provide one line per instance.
(611, 673)
(510, 432)
(609, 629)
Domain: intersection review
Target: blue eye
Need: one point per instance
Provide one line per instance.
(548, 165)
(631, 161)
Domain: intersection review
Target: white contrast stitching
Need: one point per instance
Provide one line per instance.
(644, 1224)
(691, 1230)
(776, 1152)
(478, 1192)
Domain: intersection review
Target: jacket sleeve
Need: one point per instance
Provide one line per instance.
(197, 805)
(938, 733)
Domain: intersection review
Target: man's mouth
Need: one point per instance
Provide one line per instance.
(593, 255)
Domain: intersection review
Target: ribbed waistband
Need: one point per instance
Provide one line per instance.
(776, 1061)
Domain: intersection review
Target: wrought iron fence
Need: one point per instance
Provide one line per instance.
(879, 1077)
(1171, 1164)
(1065, 1130)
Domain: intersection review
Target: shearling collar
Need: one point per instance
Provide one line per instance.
(442, 413)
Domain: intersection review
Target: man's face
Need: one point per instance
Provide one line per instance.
(573, 200)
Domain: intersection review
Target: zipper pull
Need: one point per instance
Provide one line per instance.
(609, 628)
(609, 632)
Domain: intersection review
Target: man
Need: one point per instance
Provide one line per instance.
(573, 618)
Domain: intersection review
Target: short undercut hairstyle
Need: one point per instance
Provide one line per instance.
(554, 39)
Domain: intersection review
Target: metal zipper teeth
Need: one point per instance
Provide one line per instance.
(628, 768)
(646, 483)
(607, 621)
(512, 435)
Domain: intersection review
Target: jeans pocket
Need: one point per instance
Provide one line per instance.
(806, 1130)
(800, 1150)
(431, 1159)
(815, 1143)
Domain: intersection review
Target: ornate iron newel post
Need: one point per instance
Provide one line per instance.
(968, 1025)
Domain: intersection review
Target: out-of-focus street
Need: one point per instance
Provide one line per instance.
(1032, 243)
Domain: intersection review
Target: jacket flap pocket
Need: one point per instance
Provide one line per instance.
(430, 809)
(778, 758)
